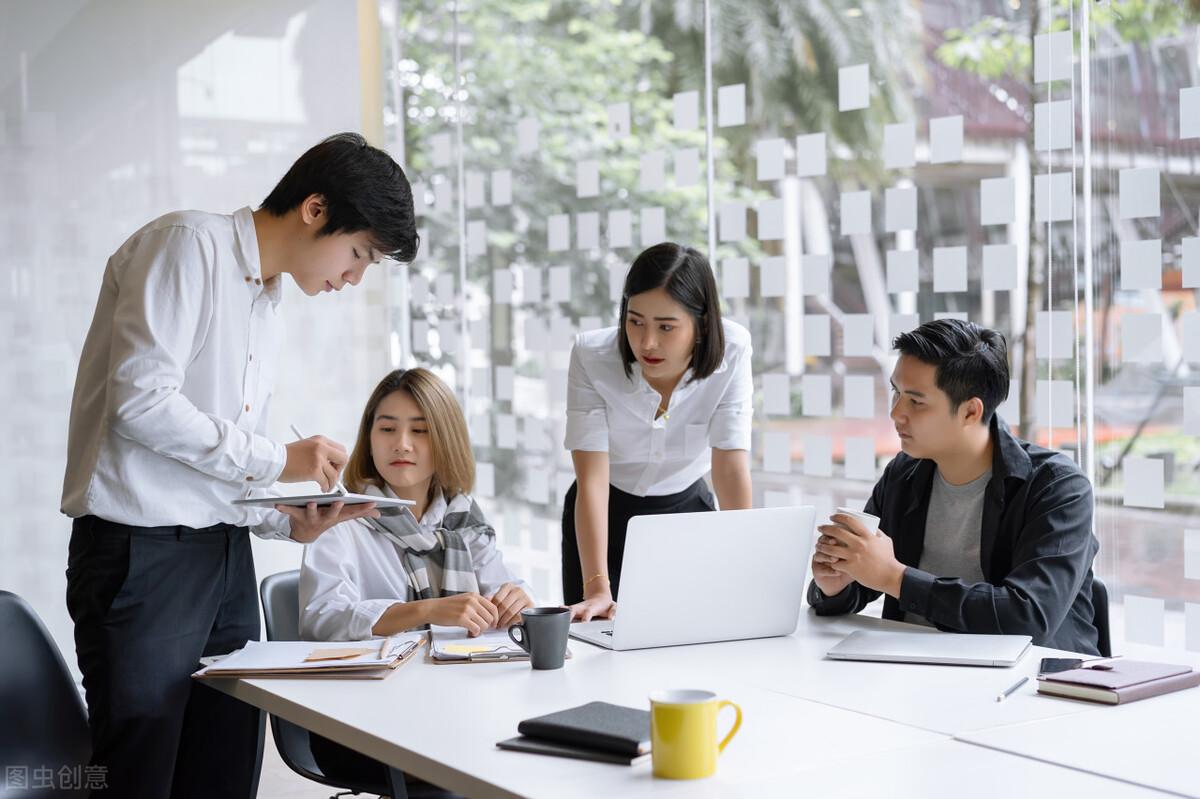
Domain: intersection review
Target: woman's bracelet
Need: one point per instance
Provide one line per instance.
(593, 577)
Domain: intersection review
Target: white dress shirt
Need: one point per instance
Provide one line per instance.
(352, 574)
(175, 378)
(609, 412)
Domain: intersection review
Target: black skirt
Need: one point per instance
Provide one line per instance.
(621, 508)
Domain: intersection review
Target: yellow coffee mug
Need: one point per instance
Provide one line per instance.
(683, 733)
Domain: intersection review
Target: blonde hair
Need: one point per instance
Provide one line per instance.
(453, 462)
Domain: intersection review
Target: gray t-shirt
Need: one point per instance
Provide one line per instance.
(952, 532)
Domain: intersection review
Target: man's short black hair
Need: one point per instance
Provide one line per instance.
(364, 189)
(971, 361)
(687, 277)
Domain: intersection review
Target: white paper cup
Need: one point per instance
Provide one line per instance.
(869, 521)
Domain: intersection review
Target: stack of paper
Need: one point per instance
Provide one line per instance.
(374, 659)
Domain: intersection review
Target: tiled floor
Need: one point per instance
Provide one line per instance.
(280, 782)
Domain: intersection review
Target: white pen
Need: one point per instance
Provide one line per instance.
(338, 487)
(1009, 692)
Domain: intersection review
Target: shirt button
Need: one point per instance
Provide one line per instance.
(249, 479)
(250, 357)
(257, 282)
(247, 278)
(247, 409)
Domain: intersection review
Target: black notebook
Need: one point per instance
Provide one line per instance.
(523, 743)
(596, 725)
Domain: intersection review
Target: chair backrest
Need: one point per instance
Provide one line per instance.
(1100, 616)
(281, 605)
(44, 721)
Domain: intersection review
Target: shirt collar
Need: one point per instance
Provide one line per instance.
(246, 240)
(1009, 459)
(433, 514)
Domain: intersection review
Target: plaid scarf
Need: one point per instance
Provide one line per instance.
(443, 544)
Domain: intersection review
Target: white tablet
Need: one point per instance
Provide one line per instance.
(325, 500)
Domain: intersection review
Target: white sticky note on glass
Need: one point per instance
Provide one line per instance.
(772, 276)
(420, 195)
(562, 338)
(817, 336)
(420, 336)
(1189, 113)
(1141, 264)
(770, 220)
(504, 382)
(777, 451)
(480, 431)
(777, 394)
(475, 190)
(620, 228)
(653, 173)
(1190, 256)
(654, 226)
(959, 315)
(949, 269)
(1054, 332)
(810, 155)
(731, 105)
(587, 179)
(902, 323)
(443, 196)
(441, 149)
(1144, 482)
(485, 479)
(558, 232)
(502, 286)
(818, 455)
(899, 145)
(858, 335)
(902, 271)
(816, 392)
(1144, 620)
(527, 135)
(476, 238)
(531, 284)
(1052, 197)
(732, 221)
(1191, 625)
(687, 167)
(445, 288)
(617, 272)
(537, 486)
(856, 212)
(560, 284)
(686, 107)
(1010, 409)
(900, 209)
(1191, 554)
(1190, 335)
(997, 201)
(815, 271)
(945, 139)
(1053, 125)
(999, 267)
(1191, 410)
(768, 154)
(619, 124)
(1055, 403)
(502, 187)
(1052, 56)
(735, 278)
(854, 87)
(1138, 193)
(860, 458)
(1141, 338)
(587, 230)
(859, 397)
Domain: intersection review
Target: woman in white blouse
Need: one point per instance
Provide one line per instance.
(436, 563)
(653, 405)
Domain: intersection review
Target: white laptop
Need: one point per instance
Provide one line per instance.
(920, 646)
(739, 573)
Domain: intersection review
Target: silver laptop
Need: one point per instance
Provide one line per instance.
(921, 646)
(740, 574)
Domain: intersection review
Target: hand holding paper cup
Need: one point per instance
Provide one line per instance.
(869, 522)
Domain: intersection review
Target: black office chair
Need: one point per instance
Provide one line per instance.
(281, 612)
(44, 721)
(1100, 616)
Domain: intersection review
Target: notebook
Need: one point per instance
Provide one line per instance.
(1119, 682)
(597, 725)
(921, 646)
(454, 645)
(536, 746)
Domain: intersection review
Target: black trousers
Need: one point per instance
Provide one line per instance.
(621, 508)
(148, 603)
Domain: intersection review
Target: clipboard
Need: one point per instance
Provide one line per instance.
(325, 500)
(493, 646)
(375, 668)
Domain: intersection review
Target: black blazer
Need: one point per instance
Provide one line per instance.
(1036, 550)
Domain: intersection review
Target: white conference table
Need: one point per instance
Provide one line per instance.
(812, 726)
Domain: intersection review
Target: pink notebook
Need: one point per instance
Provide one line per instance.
(1120, 682)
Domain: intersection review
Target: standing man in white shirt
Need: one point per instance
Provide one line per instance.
(167, 429)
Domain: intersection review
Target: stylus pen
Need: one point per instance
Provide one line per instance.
(341, 489)
(1009, 692)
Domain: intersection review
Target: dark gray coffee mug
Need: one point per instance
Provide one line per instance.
(543, 634)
